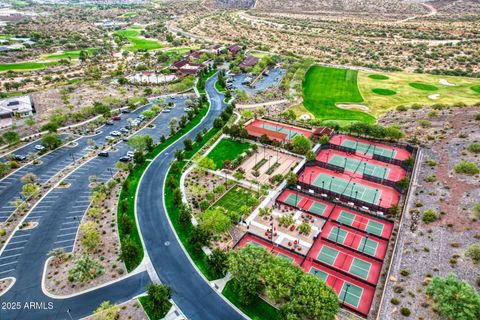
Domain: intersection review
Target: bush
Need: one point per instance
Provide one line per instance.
(405, 272)
(473, 252)
(129, 251)
(405, 311)
(217, 261)
(395, 301)
(476, 211)
(85, 269)
(465, 167)
(474, 147)
(429, 216)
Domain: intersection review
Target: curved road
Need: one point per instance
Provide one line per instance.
(192, 293)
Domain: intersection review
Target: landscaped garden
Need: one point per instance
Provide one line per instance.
(227, 150)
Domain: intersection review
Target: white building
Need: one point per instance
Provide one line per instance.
(17, 107)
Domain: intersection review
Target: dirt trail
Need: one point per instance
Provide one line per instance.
(432, 12)
(457, 187)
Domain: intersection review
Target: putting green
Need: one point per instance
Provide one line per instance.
(476, 88)
(423, 86)
(326, 87)
(378, 77)
(384, 92)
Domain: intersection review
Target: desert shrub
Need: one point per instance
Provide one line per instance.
(474, 147)
(429, 216)
(465, 167)
(473, 252)
(405, 311)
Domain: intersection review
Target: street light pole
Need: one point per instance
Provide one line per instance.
(68, 311)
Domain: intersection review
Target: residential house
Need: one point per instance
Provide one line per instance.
(248, 62)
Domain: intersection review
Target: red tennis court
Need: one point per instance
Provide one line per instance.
(306, 203)
(275, 130)
(359, 165)
(351, 292)
(371, 225)
(357, 265)
(357, 240)
(279, 252)
(368, 148)
(353, 187)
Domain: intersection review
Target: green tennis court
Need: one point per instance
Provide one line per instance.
(360, 167)
(284, 256)
(351, 294)
(348, 188)
(346, 218)
(293, 199)
(374, 227)
(368, 246)
(290, 133)
(319, 273)
(255, 244)
(360, 268)
(369, 149)
(327, 255)
(337, 235)
(317, 208)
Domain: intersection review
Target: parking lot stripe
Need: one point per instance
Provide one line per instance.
(63, 241)
(67, 234)
(8, 263)
(6, 271)
(11, 256)
(19, 248)
(21, 241)
(68, 228)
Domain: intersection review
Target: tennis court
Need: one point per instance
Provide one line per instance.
(360, 167)
(275, 130)
(289, 132)
(293, 199)
(319, 273)
(369, 148)
(360, 268)
(351, 294)
(337, 235)
(317, 208)
(328, 255)
(348, 188)
(368, 246)
(348, 217)
(284, 256)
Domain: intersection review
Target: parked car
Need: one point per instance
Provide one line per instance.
(103, 154)
(116, 118)
(125, 139)
(124, 130)
(125, 111)
(109, 123)
(125, 159)
(39, 147)
(109, 138)
(115, 133)
(20, 157)
(130, 154)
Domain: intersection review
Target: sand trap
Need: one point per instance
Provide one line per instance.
(305, 116)
(446, 83)
(434, 96)
(353, 107)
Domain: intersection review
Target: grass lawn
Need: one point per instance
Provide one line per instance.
(325, 87)
(258, 310)
(423, 86)
(400, 82)
(476, 88)
(227, 149)
(219, 87)
(235, 198)
(378, 77)
(137, 42)
(129, 15)
(68, 54)
(25, 66)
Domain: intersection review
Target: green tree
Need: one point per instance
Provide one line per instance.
(454, 299)
(217, 261)
(85, 269)
(130, 251)
(158, 296)
(206, 163)
(215, 220)
(51, 141)
(30, 189)
(301, 144)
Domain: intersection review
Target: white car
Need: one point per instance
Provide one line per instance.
(130, 154)
(116, 133)
(109, 138)
(39, 147)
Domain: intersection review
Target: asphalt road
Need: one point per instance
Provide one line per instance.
(58, 215)
(53, 162)
(192, 293)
